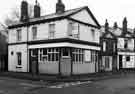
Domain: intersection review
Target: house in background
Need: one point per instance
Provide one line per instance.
(126, 48)
(121, 42)
(63, 43)
(108, 52)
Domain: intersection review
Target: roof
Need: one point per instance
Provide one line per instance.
(118, 32)
(53, 16)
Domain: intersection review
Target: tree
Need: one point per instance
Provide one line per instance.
(14, 16)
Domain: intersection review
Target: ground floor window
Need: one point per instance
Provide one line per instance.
(48, 54)
(78, 55)
(127, 58)
(19, 58)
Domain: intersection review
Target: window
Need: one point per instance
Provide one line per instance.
(19, 60)
(12, 53)
(65, 52)
(107, 62)
(93, 56)
(19, 37)
(128, 58)
(34, 32)
(93, 33)
(114, 47)
(73, 30)
(78, 55)
(33, 53)
(49, 55)
(126, 44)
(51, 30)
(104, 46)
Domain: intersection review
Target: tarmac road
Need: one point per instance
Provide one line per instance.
(122, 85)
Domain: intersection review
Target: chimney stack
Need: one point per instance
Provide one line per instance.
(106, 26)
(60, 7)
(115, 26)
(124, 25)
(36, 9)
(24, 11)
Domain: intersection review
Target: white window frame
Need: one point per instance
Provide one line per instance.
(104, 46)
(78, 53)
(34, 32)
(19, 53)
(19, 34)
(73, 26)
(52, 30)
(50, 51)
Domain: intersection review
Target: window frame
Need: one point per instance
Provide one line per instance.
(52, 30)
(34, 32)
(104, 46)
(73, 26)
(78, 55)
(52, 55)
(128, 58)
(19, 34)
(19, 58)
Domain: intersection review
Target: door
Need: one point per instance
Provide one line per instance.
(65, 62)
(120, 61)
(33, 65)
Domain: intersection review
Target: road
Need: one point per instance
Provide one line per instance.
(122, 85)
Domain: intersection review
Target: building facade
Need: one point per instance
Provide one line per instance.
(123, 40)
(108, 52)
(65, 43)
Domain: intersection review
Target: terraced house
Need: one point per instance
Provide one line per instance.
(120, 41)
(63, 43)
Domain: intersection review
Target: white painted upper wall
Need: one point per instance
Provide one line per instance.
(43, 30)
(61, 29)
(12, 35)
(87, 34)
(84, 16)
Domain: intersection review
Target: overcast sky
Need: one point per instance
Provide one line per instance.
(113, 10)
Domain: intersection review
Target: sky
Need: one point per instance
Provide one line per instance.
(113, 10)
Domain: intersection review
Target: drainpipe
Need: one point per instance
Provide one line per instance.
(27, 49)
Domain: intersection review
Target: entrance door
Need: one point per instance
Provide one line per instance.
(33, 61)
(65, 63)
(120, 61)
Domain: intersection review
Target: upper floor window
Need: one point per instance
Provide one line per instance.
(104, 46)
(126, 44)
(93, 32)
(73, 30)
(34, 32)
(51, 30)
(19, 35)
(114, 47)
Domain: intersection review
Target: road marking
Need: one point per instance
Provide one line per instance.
(68, 84)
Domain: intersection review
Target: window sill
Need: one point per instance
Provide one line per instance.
(18, 67)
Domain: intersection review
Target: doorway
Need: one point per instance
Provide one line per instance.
(120, 61)
(65, 62)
